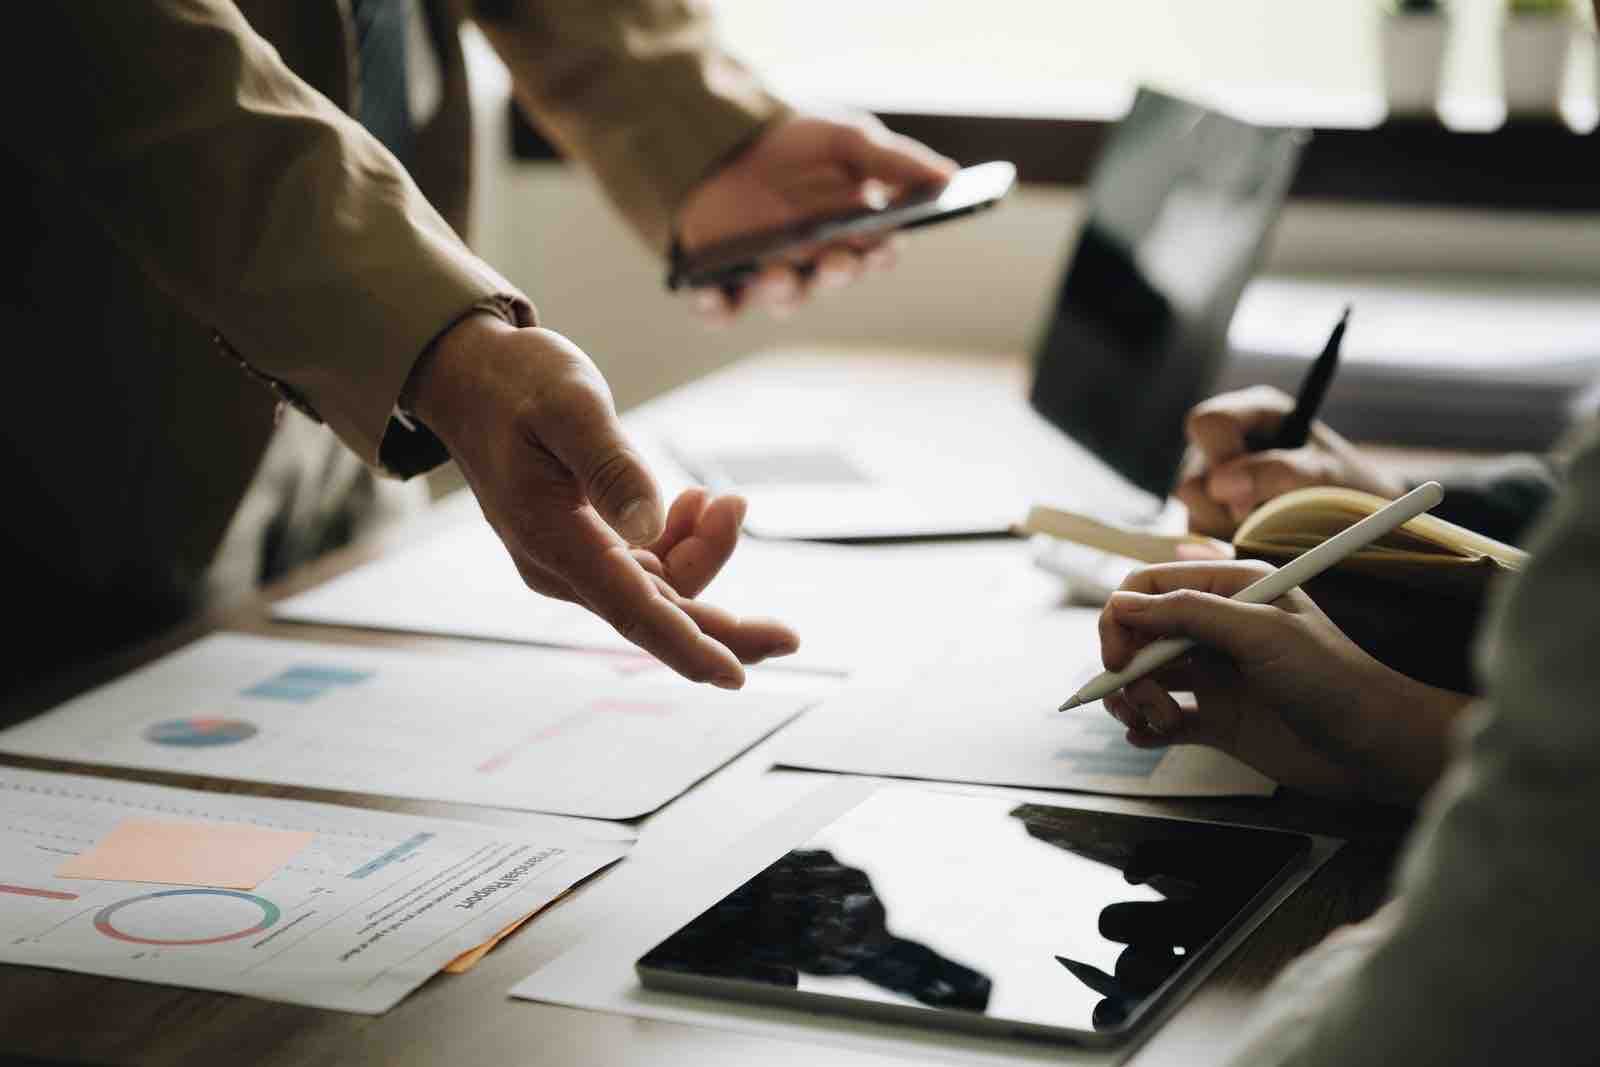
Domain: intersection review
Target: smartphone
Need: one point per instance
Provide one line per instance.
(729, 263)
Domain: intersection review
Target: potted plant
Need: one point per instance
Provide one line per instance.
(1535, 39)
(1414, 37)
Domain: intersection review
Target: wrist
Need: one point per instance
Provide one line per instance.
(1410, 751)
(443, 380)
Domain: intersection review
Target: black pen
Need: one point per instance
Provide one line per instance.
(1296, 426)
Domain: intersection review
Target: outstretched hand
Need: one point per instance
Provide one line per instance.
(1277, 686)
(801, 167)
(529, 420)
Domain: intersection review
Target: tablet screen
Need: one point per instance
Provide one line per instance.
(1043, 920)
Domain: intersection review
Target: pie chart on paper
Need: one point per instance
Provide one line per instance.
(200, 732)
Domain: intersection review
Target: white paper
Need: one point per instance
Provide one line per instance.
(371, 909)
(646, 906)
(566, 732)
(984, 710)
(851, 605)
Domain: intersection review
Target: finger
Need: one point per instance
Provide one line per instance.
(1118, 642)
(693, 562)
(682, 518)
(1153, 706)
(776, 288)
(750, 639)
(715, 307)
(1191, 728)
(1219, 428)
(1199, 672)
(1206, 515)
(1238, 630)
(1120, 708)
(576, 421)
(1141, 968)
(601, 570)
(1222, 577)
(1154, 922)
(871, 151)
(1120, 639)
(1246, 482)
(837, 267)
(1198, 552)
(882, 256)
(1147, 740)
(650, 562)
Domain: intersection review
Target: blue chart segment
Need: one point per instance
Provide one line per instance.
(200, 732)
(1103, 750)
(302, 684)
(104, 918)
(404, 848)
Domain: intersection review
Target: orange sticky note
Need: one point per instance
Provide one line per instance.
(218, 855)
(470, 958)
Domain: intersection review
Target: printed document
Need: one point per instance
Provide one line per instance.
(375, 905)
(852, 605)
(982, 709)
(563, 732)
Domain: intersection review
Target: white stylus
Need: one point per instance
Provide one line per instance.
(1299, 570)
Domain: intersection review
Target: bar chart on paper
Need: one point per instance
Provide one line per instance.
(984, 710)
(566, 732)
(372, 906)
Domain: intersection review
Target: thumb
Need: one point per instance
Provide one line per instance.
(579, 425)
(872, 152)
(1239, 631)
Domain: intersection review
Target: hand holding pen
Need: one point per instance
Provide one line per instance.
(1252, 445)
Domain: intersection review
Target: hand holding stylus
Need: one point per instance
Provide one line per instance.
(1272, 586)
(1277, 686)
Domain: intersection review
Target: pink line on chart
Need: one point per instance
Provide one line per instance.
(48, 894)
(600, 707)
(500, 759)
(632, 707)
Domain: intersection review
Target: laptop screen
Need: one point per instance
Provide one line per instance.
(1179, 206)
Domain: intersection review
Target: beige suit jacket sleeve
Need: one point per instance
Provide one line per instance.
(636, 90)
(249, 197)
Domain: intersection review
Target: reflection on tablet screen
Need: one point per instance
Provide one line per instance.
(1053, 921)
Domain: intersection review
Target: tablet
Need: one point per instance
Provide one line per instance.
(977, 913)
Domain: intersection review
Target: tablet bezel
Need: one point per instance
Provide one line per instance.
(1161, 1002)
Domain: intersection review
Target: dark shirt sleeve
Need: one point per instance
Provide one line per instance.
(1500, 499)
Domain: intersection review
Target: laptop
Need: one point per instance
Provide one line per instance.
(1180, 204)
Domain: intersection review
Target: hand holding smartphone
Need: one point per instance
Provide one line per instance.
(729, 263)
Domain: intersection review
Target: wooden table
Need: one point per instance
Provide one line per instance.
(64, 1017)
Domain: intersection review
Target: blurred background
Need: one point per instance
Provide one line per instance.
(1463, 213)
